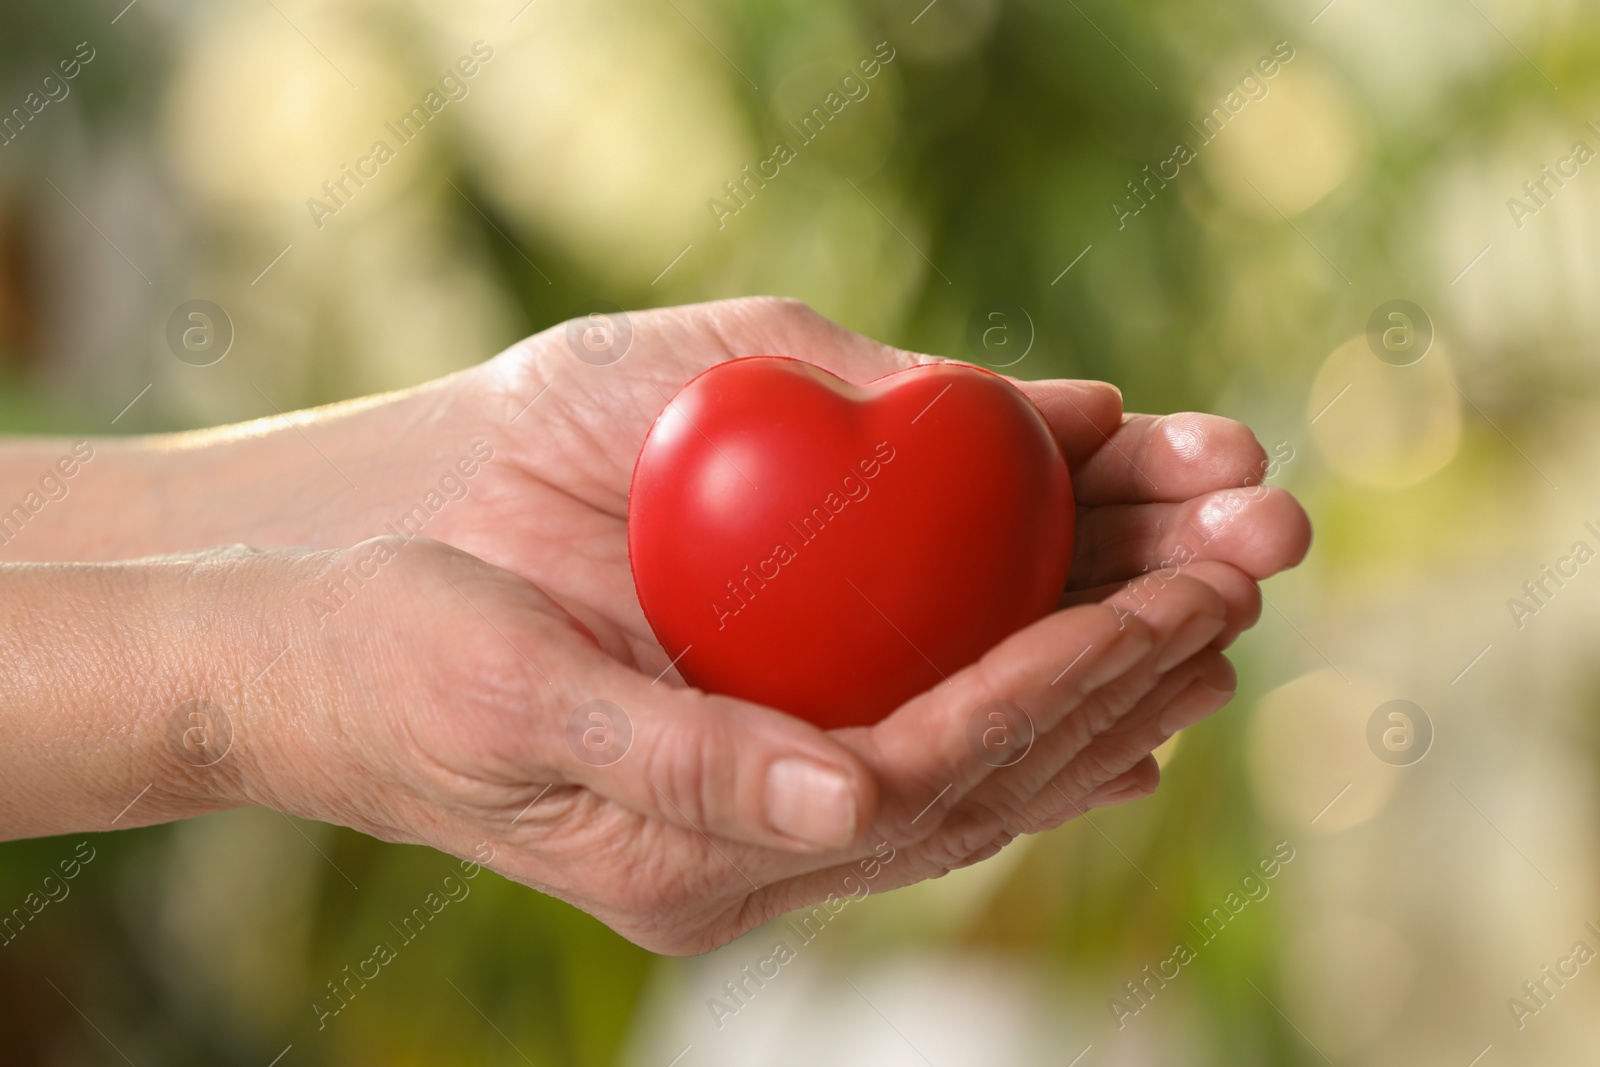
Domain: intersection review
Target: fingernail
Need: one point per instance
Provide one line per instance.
(811, 802)
(1129, 648)
(1195, 703)
(1190, 638)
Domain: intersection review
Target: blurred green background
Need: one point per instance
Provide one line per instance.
(979, 176)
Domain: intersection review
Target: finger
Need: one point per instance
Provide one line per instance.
(1241, 595)
(1196, 694)
(969, 836)
(1179, 625)
(1206, 685)
(1170, 458)
(923, 753)
(926, 755)
(719, 766)
(1062, 768)
(886, 868)
(971, 833)
(1081, 414)
(898, 746)
(1261, 530)
(1140, 781)
(1186, 617)
(987, 852)
(1056, 805)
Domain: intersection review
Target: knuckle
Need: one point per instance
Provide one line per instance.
(952, 847)
(1099, 712)
(784, 316)
(1084, 775)
(688, 768)
(781, 307)
(988, 851)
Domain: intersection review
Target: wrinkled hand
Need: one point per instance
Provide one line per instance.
(445, 690)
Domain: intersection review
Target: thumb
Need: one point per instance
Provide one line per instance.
(721, 766)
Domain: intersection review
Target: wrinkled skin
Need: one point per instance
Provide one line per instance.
(433, 707)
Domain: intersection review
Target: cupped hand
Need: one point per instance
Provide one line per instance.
(722, 814)
(451, 703)
(1154, 493)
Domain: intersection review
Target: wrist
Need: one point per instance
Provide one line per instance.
(129, 702)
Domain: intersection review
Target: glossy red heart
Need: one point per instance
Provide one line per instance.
(832, 550)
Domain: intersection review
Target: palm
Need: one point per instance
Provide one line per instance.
(663, 881)
(560, 517)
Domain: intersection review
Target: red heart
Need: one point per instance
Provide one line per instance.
(832, 550)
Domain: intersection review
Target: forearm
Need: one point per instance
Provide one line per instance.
(316, 477)
(111, 674)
